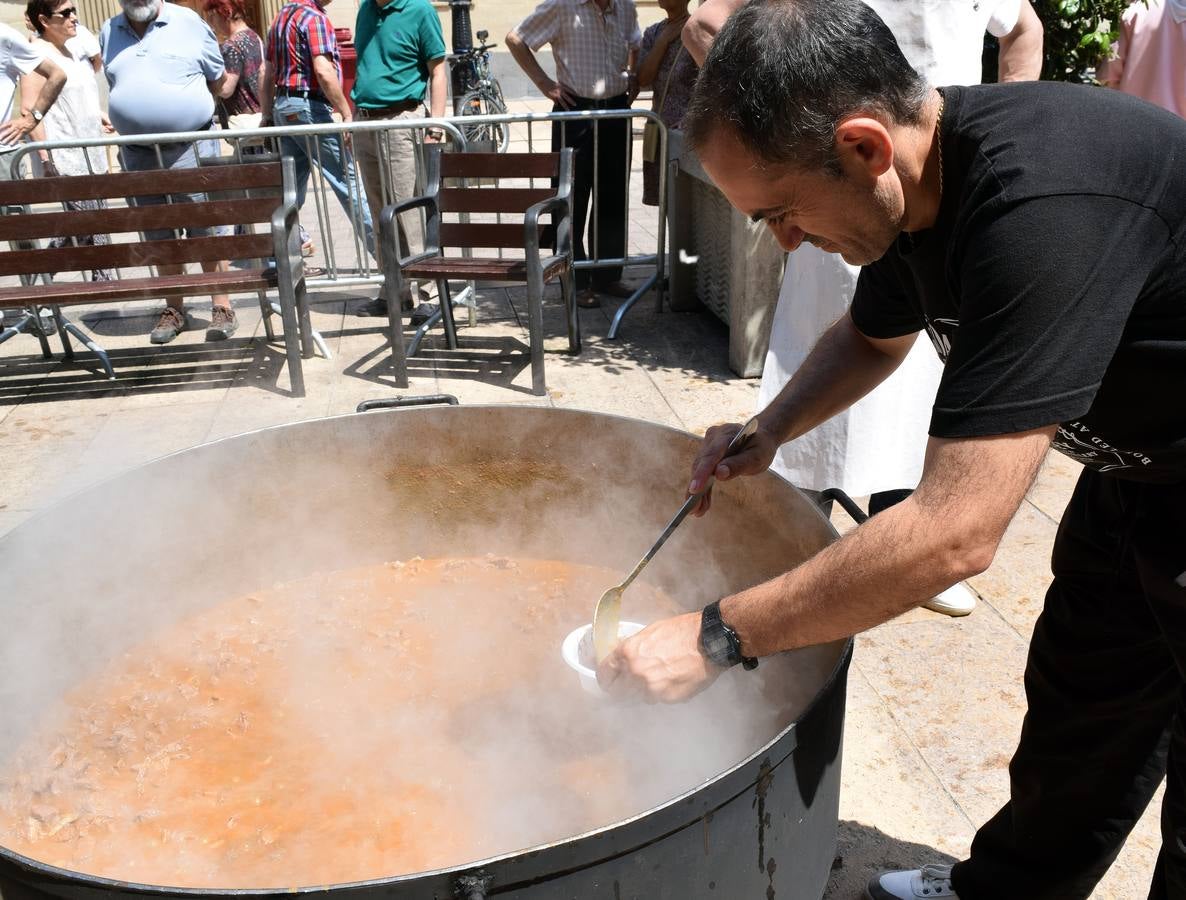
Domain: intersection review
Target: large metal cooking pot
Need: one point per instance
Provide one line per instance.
(358, 489)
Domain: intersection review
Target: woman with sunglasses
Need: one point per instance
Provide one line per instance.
(76, 114)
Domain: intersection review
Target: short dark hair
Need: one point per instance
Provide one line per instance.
(782, 74)
(38, 8)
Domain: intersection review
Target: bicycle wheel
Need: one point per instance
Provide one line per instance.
(485, 137)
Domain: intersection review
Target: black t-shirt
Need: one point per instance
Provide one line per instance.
(1053, 283)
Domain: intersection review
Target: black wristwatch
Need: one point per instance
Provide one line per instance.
(719, 642)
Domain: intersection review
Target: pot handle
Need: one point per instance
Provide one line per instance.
(400, 402)
(472, 887)
(846, 503)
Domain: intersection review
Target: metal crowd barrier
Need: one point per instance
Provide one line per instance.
(348, 262)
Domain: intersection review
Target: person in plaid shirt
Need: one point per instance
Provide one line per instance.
(595, 44)
(301, 84)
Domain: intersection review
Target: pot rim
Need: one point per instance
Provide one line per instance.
(60, 874)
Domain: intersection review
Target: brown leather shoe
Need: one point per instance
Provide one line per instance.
(588, 299)
(222, 324)
(171, 323)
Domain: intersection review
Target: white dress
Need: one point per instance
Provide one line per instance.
(878, 444)
(75, 114)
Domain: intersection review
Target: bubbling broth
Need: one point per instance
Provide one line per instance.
(361, 724)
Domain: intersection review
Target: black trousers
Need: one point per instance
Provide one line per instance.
(1107, 704)
(607, 231)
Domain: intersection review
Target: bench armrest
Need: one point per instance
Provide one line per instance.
(431, 232)
(284, 219)
(558, 204)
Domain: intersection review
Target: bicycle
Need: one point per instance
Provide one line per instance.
(482, 96)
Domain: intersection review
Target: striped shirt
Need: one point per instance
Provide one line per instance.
(300, 31)
(591, 47)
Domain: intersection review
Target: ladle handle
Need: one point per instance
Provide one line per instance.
(739, 439)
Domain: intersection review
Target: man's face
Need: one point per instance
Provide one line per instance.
(141, 10)
(855, 214)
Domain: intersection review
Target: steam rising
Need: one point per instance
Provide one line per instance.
(309, 501)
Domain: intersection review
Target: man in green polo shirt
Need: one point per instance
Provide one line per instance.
(401, 55)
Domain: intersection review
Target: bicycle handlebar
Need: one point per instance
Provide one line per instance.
(472, 52)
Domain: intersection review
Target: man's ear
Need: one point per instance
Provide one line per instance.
(864, 148)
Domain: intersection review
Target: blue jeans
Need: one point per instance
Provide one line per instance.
(336, 166)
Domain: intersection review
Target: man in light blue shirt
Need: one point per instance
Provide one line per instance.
(163, 64)
(158, 69)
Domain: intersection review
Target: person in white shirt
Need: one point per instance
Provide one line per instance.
(17, 58)
(876, 447)
(85, 45)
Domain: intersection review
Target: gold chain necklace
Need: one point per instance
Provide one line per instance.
(939, 140)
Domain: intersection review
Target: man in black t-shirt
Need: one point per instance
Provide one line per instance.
(1037, 234)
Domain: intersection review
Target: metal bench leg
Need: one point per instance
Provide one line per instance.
(304, 324)
(395, 334)
(568, 293)
(34, 320)
(446, 304)
(314, 336)
(535, 334)
(292, 336)
(265, 310)
(18, 327)
(63, 335)
(65, 325)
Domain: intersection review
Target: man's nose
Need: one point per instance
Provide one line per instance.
(788, 236)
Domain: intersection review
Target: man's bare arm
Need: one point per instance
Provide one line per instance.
(54, 79)
(946, 531)
(555, 91)
(438, 87)
(842, 368)
(704, 24)
(328, 83)
(230, 81)
(1020, 58)
(267, 91)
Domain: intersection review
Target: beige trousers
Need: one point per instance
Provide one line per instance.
(387, 160)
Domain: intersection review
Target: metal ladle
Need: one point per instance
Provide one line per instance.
(608, 612)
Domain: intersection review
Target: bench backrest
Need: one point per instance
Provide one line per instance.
(477, 169)
(256, 190)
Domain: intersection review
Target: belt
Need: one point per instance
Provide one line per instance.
(304, 93)
(602, 102)
(205, 127)
(386, 112)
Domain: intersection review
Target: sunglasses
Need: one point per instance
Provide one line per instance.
(65, 13)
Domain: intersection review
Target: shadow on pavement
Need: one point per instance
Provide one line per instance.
(245, 362)
(862, 851)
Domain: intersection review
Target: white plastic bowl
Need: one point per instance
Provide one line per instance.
(578, 653)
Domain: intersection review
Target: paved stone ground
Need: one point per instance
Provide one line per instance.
(935, 704)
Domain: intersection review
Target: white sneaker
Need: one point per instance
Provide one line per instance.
(957, 600)
(928, 882)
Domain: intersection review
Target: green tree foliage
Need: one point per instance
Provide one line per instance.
(1079, 33)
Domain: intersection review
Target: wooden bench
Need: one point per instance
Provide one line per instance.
(530, 265)
(266, 195)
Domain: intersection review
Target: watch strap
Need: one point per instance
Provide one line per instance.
(720, 643)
